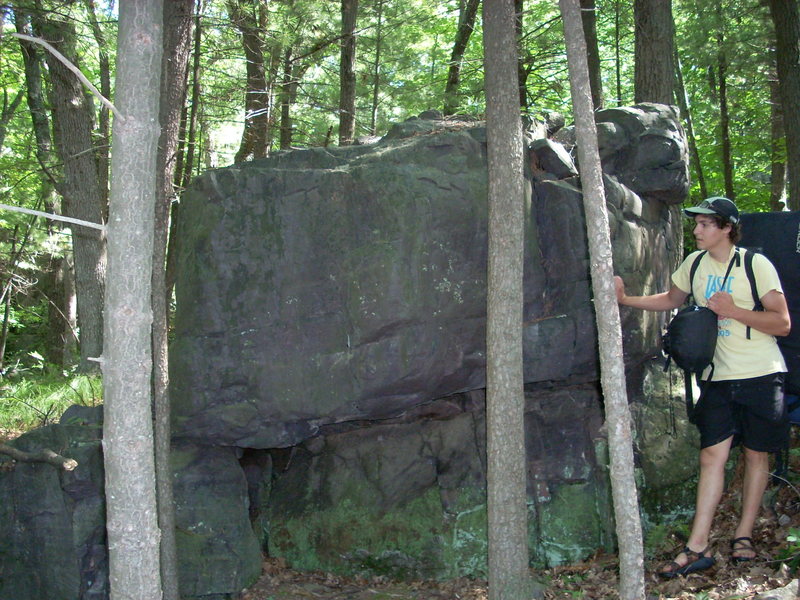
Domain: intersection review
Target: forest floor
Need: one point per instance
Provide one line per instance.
(597, 578)
(776, 536)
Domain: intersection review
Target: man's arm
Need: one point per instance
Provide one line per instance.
(773, 320)
(663, 301)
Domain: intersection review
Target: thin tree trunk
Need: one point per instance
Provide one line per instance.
(128, 447)
(786, 17)
(70, 312)
(286, 101)
(617, 65)
(251, 22)
(347, 73)
(609, 331)
(8, 110)
(509, 577)
(466, 24)
(60, 293)
(686, 113)
(376, 70)
(176, 46)
(653, 51)
(522, 70)
(7, 303)
(187, 172)
(777, 195)
(589, 18)
(186, 148)
(724, 118)
(104, 142)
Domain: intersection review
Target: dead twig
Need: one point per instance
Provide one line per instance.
(45, 456)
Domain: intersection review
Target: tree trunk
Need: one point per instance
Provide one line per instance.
(786, 16)
(70, 312)
(128, 449)
(376, 70)
(104, 141)
(509, 578)
(686, 113)
(653, 51)
(7, 292)
(589, 18)
(617, 63)
(73, 116)
(522, 69)
(251, 22)
(347, 73)
(7, 113)
(609, 332)
(287, 94)
(724, 117)
(466, 24)
(184, 164)
(777, 194)
(187, 172)
(176, 47)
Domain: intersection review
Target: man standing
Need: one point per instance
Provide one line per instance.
(743, 402)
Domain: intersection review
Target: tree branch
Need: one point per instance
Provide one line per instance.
(72, 68)
(45, 456)
(52, 216)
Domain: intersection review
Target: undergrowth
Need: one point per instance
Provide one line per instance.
(40, 398)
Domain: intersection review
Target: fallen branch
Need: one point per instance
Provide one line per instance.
(45, 456)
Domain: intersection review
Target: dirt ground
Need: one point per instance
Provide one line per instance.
(596, 578)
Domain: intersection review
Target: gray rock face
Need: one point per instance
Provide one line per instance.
(334, 285)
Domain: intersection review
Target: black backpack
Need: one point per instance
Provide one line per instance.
(776, 235)
(691, 339)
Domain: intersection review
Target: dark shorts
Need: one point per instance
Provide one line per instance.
(753, 411)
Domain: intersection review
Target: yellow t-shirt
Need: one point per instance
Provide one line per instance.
(736, 356)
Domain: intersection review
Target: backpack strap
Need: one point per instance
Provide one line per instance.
(751, 277)
(692, 271)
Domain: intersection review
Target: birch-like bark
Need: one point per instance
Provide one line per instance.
(128, 448)
(609, 331)
(509, 578)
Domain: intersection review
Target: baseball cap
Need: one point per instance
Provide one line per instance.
(716, 205)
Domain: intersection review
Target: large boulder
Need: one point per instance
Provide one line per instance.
(332, 285)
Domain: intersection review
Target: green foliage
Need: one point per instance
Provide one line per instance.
(791, 554)
(740, 31)
(39, 398)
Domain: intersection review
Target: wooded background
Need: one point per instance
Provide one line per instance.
(252, 77)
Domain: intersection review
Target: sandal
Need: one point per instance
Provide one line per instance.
(695, 561)
(742, 544)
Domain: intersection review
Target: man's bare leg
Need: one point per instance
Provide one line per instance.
(756, 477)
(709, 492)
